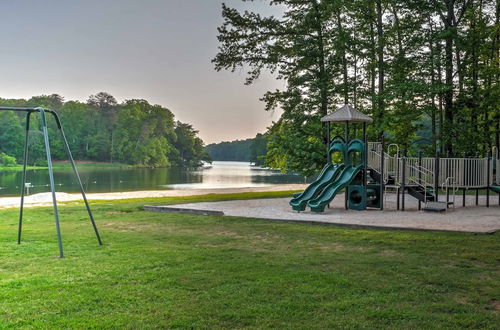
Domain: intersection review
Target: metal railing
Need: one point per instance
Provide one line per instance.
(468, 173)
(450, 183)
(420, 180)
(498, 172)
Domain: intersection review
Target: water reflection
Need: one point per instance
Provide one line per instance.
(219, 175)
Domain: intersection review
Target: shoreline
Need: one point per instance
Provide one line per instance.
(45, 199)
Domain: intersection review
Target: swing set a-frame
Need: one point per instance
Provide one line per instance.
(43, 116)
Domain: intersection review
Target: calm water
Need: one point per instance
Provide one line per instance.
(219, 175)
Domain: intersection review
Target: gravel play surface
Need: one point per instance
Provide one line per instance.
(479, 219)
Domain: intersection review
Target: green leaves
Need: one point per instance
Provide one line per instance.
(134, 132)
(406, 63)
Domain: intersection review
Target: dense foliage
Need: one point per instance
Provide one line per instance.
(134, 132)
(249, 150)
(426, 71)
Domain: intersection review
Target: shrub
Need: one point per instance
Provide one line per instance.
(7, 160)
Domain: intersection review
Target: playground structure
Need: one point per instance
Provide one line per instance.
(366, 171)
(43, 117)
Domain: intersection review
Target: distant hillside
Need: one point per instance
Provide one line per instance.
(248, 150)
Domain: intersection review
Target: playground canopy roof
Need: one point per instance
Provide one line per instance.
(347, 114)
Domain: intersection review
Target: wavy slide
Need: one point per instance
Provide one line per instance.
(319, 203)
(327, 175)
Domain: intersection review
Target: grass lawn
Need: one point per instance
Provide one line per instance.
(187, 271)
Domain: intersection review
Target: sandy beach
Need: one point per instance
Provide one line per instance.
(45, 199)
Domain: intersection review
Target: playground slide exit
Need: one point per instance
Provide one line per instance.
(327, 176)
(319, 203)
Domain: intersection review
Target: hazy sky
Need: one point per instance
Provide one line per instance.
(158, 50)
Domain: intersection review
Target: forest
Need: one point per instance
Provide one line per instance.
(248, 150)
(426, 71)
(102, 130)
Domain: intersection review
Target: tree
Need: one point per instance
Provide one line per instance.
(258, 149)
(11, 135)
(106, 107)
(191, 151)
(295, 48)
(412, 65)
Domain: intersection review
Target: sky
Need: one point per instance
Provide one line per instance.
(158, 50)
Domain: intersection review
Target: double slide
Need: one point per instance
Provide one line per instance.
(319, 203)
(327, 176)
(332, 179)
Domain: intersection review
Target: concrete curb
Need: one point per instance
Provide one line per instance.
(167, 209)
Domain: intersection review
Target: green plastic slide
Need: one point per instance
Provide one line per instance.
(319, 203)
(327, 176)
(495, 189)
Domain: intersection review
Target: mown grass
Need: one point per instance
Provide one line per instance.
(159, 270)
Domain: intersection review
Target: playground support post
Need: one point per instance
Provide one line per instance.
(420, 177)
(403, 180)
(23, 184)
(436, 177)
(465, 180)
(382, 170)
(346, 141)
(365, 164)
(488, 178)
(398, 189)
(328, 156)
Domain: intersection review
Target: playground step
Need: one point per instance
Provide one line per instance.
(420, 194)
(377, 178)
(435, 206)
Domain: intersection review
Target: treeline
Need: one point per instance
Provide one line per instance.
(133, 132)
(427, 71)
(249, 150)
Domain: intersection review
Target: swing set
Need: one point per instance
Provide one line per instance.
(43, 116)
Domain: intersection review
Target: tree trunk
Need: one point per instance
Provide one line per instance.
(440, 97)
(433, 94)
(372, 70)
(448, 93)
(323, 79)
(344, 60)
(380, 65)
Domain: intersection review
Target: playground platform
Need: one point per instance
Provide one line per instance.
(474, 219)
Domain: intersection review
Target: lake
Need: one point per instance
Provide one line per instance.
(108, 179)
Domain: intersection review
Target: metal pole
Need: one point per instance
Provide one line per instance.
(365, 165)
(436, 177)
(398, 189)
(328, 157)
(346, 132)
(464, 179)
(51, 177)
(23, 184)
(382, 169)
(420, 177)
(488, 168)
(403, 181)
(70, 156)
(346, 142)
